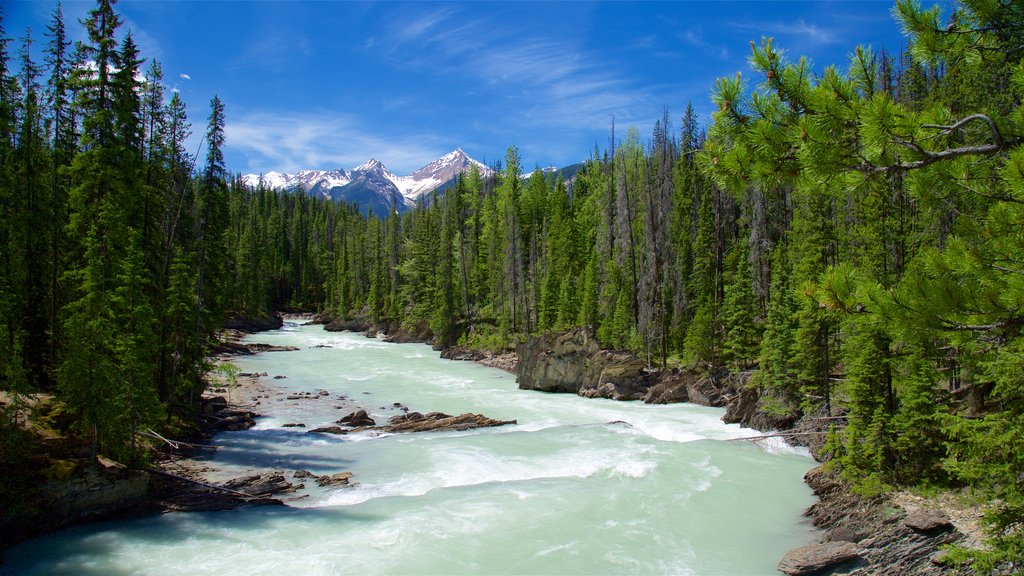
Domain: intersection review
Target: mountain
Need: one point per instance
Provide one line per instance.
(371, 185)
(437, 174)
(567, 173)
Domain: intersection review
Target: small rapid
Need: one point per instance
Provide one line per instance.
(577, 486)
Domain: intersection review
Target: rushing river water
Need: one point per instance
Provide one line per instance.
(578, 486)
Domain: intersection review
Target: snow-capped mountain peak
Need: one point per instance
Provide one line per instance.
(437, 173)
(374, 178)
(370, 165)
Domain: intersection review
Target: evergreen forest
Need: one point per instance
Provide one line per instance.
(848, 240)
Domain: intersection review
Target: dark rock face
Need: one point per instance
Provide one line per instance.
(554, 363)
(353, 325)
(88, 492)
(670, 388)
(754, 408)
(615, 375)
(357, 418)
(683, 386)
(246, 324)
(815, 558)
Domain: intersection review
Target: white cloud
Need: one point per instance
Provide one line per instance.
(184, 76)
(324, 140)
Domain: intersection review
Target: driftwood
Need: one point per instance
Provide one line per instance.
(778, 435)
(175, 444)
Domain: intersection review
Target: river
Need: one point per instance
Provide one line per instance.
(578, 486)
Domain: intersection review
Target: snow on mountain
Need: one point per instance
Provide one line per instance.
(437, 173)
(311, 181)
(547, 170)
(372, 177)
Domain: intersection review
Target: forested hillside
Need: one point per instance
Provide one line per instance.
(848, 240)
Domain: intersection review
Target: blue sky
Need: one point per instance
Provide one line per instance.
(331, 84)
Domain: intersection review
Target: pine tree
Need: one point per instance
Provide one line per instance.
(739, 311)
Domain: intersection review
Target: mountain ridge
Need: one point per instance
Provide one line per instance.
(371, 184)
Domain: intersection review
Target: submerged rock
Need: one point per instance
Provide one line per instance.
(329, 430)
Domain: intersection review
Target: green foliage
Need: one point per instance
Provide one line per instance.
(739, 314)
(905, 284)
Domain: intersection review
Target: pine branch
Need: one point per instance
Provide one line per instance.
(996, 134)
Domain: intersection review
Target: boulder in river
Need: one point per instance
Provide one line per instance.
(339, 479)
(439, 422)
(357, 418)
(262, 484)
(417, 422)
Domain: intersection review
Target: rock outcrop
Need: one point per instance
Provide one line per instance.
(555, 363)
(615, 375)
(676, 385)
(73, 492)
(352, 325)
(507, 361)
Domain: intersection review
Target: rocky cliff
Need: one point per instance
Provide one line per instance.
(572, 362)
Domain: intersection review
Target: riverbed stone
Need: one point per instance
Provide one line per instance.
(815, 558)
(339, 479)
(357, 418)
(262, 484)
(927, 521)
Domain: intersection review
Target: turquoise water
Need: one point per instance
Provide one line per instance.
(578, 486)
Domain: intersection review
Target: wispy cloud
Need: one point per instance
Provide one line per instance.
(550, 80)
(184, 76)
(325, 140)
(799, 34)
(694, 37)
